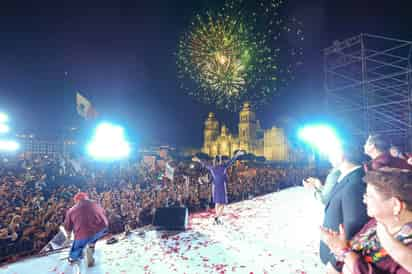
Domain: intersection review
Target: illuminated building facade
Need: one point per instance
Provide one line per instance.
(270, 143)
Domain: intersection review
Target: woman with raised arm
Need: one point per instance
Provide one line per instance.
(219, 175)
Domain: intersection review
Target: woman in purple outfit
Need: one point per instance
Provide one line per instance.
(219, 175)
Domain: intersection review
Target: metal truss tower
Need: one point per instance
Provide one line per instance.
(368, 83)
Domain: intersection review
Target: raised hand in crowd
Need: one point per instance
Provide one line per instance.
(240, 153)
(196, 159)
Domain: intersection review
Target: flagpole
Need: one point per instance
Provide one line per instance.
(65, 108)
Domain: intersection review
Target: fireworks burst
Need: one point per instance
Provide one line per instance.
(230, 56)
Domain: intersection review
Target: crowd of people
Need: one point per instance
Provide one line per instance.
(36, 193)
(367, 225)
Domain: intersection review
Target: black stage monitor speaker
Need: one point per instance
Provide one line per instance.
(171, 218)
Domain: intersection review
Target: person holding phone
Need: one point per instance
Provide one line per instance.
(322, 191)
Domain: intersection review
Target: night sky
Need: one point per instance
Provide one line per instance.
(120, 54)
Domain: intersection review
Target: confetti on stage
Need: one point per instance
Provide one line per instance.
(276, 233)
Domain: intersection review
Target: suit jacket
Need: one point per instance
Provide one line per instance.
(345, 206)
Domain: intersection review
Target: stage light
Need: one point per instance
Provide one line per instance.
(323, 138)
(4, 128)
(108, 143)
(9, 145)
(3, 117)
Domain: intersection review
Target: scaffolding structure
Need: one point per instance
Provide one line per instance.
(368, 83)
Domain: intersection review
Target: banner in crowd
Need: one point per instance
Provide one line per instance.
(84, 107)
(204, 179)
(187, 184)
(76, 165)
(169, 172)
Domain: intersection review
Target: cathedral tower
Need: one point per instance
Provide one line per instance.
(211, 132)
(247, 128)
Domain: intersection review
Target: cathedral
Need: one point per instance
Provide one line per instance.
(270, 143)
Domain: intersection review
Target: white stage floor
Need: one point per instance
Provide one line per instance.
(276, 233)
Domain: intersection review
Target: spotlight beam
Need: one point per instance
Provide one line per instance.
(321, 137)
(4, 128)
(3, 118)
(108, 143)
(9, 145)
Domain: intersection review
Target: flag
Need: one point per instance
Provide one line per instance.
(169, 172)
(84, 107)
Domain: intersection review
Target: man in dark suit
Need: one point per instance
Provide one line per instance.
(345, 204)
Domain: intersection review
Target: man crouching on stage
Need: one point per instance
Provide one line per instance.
(88, 222)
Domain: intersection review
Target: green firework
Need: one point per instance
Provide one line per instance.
(230, 56)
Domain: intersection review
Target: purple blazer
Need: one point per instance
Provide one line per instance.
(219, 181)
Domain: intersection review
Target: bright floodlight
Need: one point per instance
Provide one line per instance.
(4, 128)
(8, 145)
(3, 117)
(108, 143)
(323, 138)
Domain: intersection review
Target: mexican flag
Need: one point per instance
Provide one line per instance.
(84, 107)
